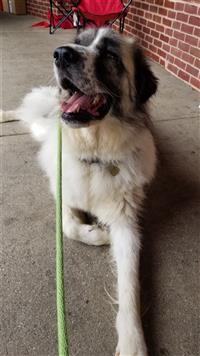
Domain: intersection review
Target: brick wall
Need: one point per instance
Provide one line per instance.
(37, 7)
(169, 31)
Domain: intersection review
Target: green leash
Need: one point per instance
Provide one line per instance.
(63, 347)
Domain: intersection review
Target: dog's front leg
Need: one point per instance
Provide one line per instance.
(126, 246)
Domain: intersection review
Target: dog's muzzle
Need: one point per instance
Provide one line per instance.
(81, 108)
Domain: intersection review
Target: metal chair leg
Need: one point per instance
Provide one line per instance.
(51, 20)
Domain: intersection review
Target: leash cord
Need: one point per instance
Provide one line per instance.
(63, 347)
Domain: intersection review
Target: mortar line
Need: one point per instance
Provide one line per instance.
(178, 118)
(19, 134)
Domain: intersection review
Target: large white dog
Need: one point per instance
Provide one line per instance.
(104, 84)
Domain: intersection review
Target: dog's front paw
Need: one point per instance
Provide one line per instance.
(137, 353)
(130, 336)
(139, 350)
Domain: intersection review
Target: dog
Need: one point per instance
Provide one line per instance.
(109, 154)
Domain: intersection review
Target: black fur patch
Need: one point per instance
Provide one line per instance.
(145, 81)
(109, 69)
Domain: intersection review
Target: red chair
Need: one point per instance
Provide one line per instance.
(102, 13)
(89, 13)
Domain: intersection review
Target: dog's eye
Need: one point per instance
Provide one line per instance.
(112, 56)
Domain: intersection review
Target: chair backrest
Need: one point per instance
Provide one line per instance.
(101, 8)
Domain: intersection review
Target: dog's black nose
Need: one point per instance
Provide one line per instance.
(65, 56)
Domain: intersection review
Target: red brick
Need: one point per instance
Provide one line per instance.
(144, 44)
(193, 20)
(187, 29)
(132, 24)
(172, 68)
(148, 15)
(173, 42)
(164, 38)
(153, 8)
(129, 17)
(145, 6)
(159, 2)
(162, 11)
(161, 53)
(191, 40)
(134, 32)
(140, 12)
(191, 9)
(171, 14)
(195, 82)
(170, 58)
(151, 24)
(128, 28)
(167, 22)
(157, 18)
(176, 25)
(192, 70)
(160, 28)
(157, 43)
(162, 62)
(195, 52)
(155, 34)
(187, 58)
(138, 26)
(168, 32)
(153, 48)
(179, 63)
(169, 4)
(136, 18)
(141, 35)
(175, 52)
(179, 35)
(183, 75)
(182, 17)
(183, 46)
(197, 32)
(146, 30)
(137, 4)
(134, 10)
(143, 21)
(197, 63)
(166, 47)
(149, 39)
(179, 6)
(154, 56)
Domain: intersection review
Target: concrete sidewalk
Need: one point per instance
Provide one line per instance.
(169, 261)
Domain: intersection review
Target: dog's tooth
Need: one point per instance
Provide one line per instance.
(96, 99)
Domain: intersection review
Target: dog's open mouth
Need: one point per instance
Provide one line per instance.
(80, 109)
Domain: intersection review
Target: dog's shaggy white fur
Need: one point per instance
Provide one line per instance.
(111, 189)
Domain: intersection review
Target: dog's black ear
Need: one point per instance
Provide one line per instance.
(145, 80)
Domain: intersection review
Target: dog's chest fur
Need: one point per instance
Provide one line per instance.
(103, 165)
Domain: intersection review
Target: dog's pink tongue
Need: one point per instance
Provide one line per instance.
(77, 101)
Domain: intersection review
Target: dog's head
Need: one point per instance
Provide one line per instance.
(103, 72)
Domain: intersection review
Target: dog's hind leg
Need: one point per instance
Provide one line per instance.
(125, 246)
(75, 229)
